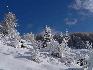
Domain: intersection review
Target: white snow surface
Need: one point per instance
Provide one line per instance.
(8, 61)
(20, 59)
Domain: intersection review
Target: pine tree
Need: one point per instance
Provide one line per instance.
(63, 47)
(47, 36)
(61, 35)
(88, 45)
(66, 39)
(90, 60)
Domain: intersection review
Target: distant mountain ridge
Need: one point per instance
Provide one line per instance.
(78, 39)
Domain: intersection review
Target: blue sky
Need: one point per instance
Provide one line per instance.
(33, 15)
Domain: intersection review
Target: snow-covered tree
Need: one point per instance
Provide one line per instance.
(61, 35)
(47, 36)
(90, 59)
(88, 45)
(9, 22)
(29, 37)
(29, 40)
(66, 39)
(8, 27)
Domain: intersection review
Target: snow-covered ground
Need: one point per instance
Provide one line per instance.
(20, 59)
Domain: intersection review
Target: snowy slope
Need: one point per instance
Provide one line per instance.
(9, 62)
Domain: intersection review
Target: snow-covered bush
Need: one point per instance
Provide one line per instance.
(29, 39)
